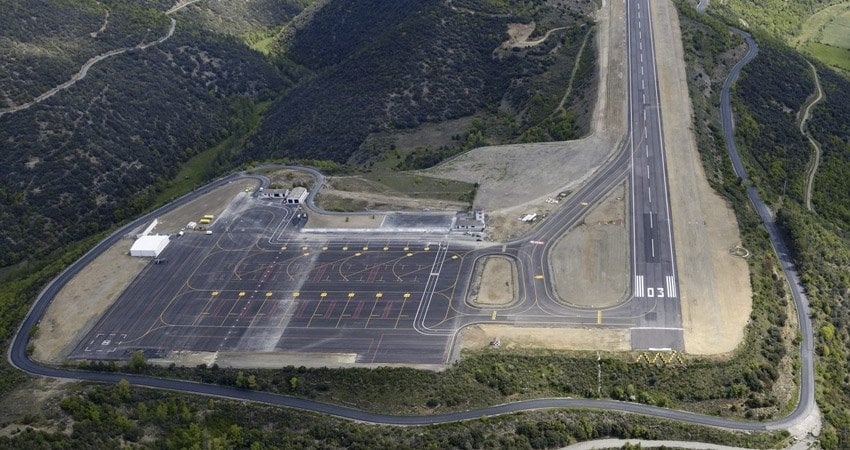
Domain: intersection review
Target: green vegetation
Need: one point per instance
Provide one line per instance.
(766, 101)
(118, 416)
(377, 69)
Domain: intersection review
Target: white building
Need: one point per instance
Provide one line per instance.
(274, 193)
(296, 196)
(149, 246)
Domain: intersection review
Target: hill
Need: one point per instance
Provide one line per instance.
(380, 66)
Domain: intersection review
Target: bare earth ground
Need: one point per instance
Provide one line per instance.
(714, 285)
(213, 203)
(526, 174)
(481, 336)
(30, 401)
(89, 294)
(254, 360)
(498, 283)
(590, 264)
(288, 179)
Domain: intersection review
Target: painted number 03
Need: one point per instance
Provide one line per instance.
(655, 292)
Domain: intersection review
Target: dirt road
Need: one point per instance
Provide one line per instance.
(812, 170)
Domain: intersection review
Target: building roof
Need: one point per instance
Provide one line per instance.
(297, 192)
(151, 242)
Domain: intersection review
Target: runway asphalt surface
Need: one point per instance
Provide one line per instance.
(610, 175)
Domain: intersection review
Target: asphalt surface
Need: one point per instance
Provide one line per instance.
(610, 175)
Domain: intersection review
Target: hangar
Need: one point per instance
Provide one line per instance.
(149, 246)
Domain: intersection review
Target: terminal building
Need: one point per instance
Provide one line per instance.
(149, 246)
(296, 196)
(469, 221)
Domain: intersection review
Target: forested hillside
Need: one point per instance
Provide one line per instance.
(93, 154)
(383, 65)
(769, 95)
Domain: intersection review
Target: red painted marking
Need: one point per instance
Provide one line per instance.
(374, 273)
(274, 309)
(319, 273)
(300, 313)
(245, 309)
(386, 314)
(357, 310)
(330, 309)
(215, 313)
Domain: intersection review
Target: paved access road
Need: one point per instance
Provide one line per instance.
(609, 176)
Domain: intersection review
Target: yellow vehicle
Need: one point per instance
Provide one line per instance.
(204, 221)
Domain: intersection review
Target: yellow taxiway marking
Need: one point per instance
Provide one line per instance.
(426, 248)
(358, 254)
(584, 203)
(386, 248)
(350, 294)
(406, 295)
(268, 294)
(323, 294)
(325, 248)
(599, 316)
(283, 248)
(410, 254)
(304, 247)
(306, 253)
(454, 256)
(365, 248)
(345, 248)
(379, 295)
(296, 294)
(214, 293)
(493, 316)
(242, 294)
(406, 248)
(538, 277)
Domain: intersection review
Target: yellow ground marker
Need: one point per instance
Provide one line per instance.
(242, 294)
(406, 295)
(350, 294)
(379, 295)
(538, 277)
(454, 256)
(268, 294)
(325, 248)
(410, 254)
(304, 247)
(584, 203)
(386, 248)
(214, 293)
(295, 294)
(283, 248)
(358, 254)
(599, 316)
(345, 249)
(406, 248)
(323, 294)
(365, 248)
(426, 248)
(493, 316)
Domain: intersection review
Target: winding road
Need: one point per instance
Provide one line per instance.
(613, 173)
(815, 162)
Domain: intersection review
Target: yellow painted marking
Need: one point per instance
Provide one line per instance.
(283, 248)
(538, 277)
(268, 294)
(406, 295)
(426, 248)
(379, 295)
(358, 254)
(325, 248)
(406, 248)
(599, 316)
(306, 253)
(350, 294)
(242, 294)
(296, 294)
(323, 294)
(365, 248)
(454, 256)
(493, 316)
(584, 203)
(304, 247)
(214, 293)
(410, 254)
(345, 248)
(386, 248)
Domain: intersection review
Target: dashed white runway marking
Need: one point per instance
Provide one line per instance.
(652, 244)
